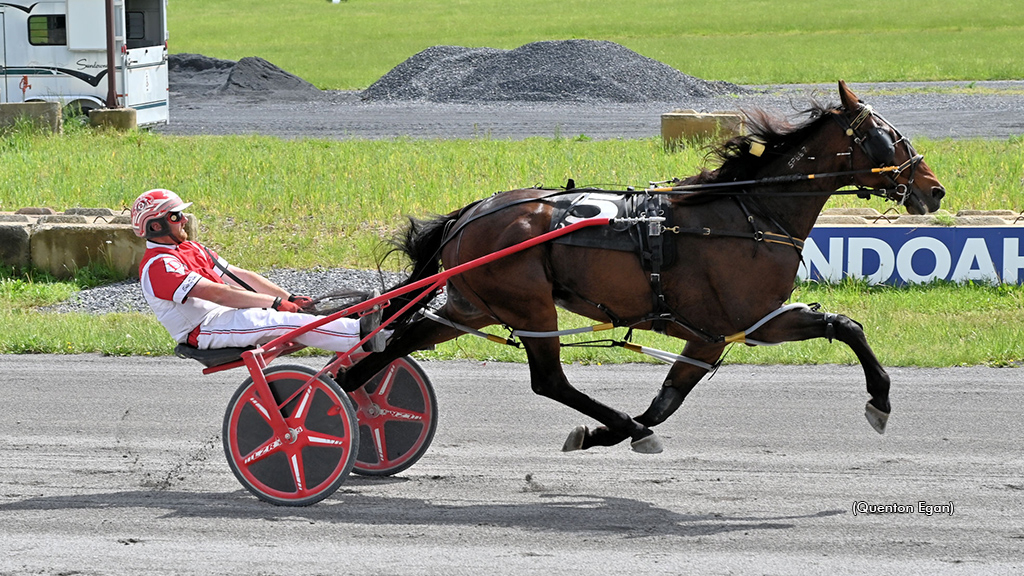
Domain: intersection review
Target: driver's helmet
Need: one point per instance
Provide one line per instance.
(150, 212)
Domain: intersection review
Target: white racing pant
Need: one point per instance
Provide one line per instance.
(240, 327)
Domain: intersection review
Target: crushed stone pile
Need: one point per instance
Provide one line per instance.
(575, 71)
(254, 74)
(195, 74)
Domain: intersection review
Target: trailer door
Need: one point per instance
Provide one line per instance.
(3, 58)
(145, 60)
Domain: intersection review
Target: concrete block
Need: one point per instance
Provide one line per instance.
(863, 212)
(61, 249)
(1001, 213)
(682, 125)
(61, 219)
(35, 211)
(13, 218)
(114, 118)
(980, 221)
(915, 220)
(46, 115)
(90, 211)
(840, 220)
(14, 244)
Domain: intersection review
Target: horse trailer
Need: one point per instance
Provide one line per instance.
(57, 52)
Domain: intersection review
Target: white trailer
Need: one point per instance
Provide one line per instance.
(57, 52)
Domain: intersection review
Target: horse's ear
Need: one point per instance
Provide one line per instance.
(849, 99)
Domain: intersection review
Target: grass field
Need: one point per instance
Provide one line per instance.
(352, 44)
(268, 202)
(299, 204)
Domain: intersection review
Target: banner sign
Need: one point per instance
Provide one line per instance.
(900, 255)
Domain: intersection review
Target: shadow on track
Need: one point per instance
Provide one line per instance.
(566, 513)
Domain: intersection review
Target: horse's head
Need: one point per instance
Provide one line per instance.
(876, 144)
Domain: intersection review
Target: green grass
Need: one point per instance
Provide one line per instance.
(352, 44)
(935, 325)
(303, 203)
(268, 202)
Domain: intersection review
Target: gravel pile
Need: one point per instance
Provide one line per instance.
(127, 296)
(571, 71)
(195, 74)
(578, 71)
(257, 75)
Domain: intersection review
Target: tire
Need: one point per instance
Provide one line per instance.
(79, 111)
(397, 413)
(279, 470)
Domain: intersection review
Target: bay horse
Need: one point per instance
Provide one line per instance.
(738, 230)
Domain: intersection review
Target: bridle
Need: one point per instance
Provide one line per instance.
(880, 148)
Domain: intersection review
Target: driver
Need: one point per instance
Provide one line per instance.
(205, 302)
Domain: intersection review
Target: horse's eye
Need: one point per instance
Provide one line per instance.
(878, 145)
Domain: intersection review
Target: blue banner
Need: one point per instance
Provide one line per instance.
(900, 255)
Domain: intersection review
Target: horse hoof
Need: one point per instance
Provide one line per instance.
(575, 440)
(876, 418)
(650, 444)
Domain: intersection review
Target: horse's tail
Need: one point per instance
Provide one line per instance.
(421, 242)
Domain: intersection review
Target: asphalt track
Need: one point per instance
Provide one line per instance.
(115, 466)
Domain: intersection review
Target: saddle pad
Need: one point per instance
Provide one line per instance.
(573, 207)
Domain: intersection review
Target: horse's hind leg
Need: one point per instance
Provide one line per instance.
(807, 324)
(548, 379)
(421, 334)
(681, 379)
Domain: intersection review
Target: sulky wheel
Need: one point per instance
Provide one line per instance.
(308, 462)
(397, 414)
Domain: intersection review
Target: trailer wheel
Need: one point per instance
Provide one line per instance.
(79, 111)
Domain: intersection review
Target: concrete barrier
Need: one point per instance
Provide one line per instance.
(114, 118)
(43, 114)
(63, 243)
(682, 125)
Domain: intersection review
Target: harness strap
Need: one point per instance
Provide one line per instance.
(229, 273)
(757, 236)
(741, 337)
(662, 355)
(498, 339)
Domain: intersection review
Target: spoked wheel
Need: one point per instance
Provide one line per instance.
(308, 462)
(397, 414)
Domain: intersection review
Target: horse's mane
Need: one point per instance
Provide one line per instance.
(733, 157)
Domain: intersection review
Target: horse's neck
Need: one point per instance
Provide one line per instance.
(798, 213)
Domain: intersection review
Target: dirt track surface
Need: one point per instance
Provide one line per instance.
(115, 466)
(342, 115)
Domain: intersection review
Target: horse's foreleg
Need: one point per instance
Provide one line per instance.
(805, 324)
(547, 379)
(681, 379)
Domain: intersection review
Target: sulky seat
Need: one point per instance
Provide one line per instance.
(210, 357)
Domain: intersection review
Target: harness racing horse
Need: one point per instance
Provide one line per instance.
(736, 232)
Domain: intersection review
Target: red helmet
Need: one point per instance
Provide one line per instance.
(152, 207)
